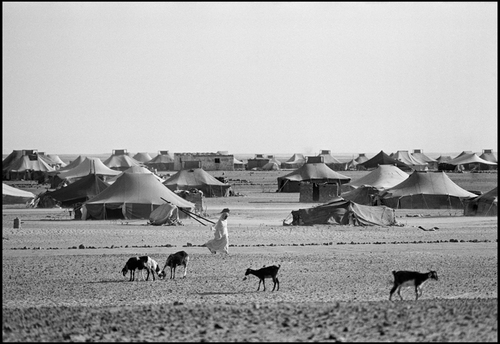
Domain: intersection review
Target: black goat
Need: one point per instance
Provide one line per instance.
(141, 263)
(263, 273)
(411, 278)
(173, 260)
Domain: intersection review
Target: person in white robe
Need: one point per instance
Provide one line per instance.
(220, 242)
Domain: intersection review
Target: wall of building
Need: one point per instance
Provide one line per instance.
(208, 161)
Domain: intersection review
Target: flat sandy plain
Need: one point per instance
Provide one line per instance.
(334, 280)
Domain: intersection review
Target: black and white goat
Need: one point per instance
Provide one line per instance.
(141, 264)
(263, 273)
(411, 278)
(174, 260)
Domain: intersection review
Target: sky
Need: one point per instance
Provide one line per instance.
(249, 77)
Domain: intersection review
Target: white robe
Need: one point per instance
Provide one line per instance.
(220, 242)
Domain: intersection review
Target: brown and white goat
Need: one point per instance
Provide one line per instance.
(263, 273)
(141, 264)
(174, 260)
(411, 278)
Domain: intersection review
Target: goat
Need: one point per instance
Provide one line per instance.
(141, 263)
(411, 278)
(263, 273)
(173, 260)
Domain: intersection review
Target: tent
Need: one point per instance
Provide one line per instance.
(315, 171)
(162, 162)
(13, 156)
(470, 161)
(345, 212)
(383, 159)
(383, 177)
(296, 161)
(165, 214)
(28, 166)
(57, 160)
(426, 190)
(88, 166)
(199, 179)
(365, 195)
(330, 161)
(272, 165)
(405, 157)
(132, 196)
(80, 191)
(12, 195)
(238, 165)
(120, 160)
(142, 157)
(484, 205)
(490, 156)
(71, 165)
(133, 169)
(418, 154)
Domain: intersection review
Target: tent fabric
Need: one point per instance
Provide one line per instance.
(383, 177)
(426, 190)
(405, 157)
(483, 205)
(295, 161)
(121, 162)
(164, 214)
(142, 157)
(161, 162)
(364, 195)
(30, 162)
(132, 196)
(469, 158)
(489, 156)
(134, 169)
(71, 165)
(12, 195)
(57, 160)
(383, 159)
(345, 212)
(79, 191)
(311, 172)
(88, 166)
(15, 155)
(199, 179)
(272, 165)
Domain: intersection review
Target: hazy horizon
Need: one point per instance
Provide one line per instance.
(249, 78)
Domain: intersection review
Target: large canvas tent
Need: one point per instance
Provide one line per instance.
(383, 159)
(365, 195)
(345, 212)
(238, 164)
(330, 161)
(78, 192)
(483, 205)
(295, 161)
(28, 166)
(409, 160)
(120, 160)
(12, 195)
(58, 163)
(132, 196)
(199, 179)
(314, 171)
(470, 161)
(162, 162)
(490, 156)
(383, 177)
(134, 169)
(418, 154)
(72, 164)
(426, 190)
(88, 166)
(142, 157)
(272, 165)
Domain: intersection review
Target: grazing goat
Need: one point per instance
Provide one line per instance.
(141, 263)
(411, 278)
(173, 260)
(263, 273)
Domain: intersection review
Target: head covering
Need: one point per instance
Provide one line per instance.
(225, 210)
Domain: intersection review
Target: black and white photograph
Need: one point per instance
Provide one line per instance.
(249, 171)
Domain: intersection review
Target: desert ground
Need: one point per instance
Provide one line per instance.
(62, 280)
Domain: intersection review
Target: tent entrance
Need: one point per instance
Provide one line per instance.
(315, 192)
